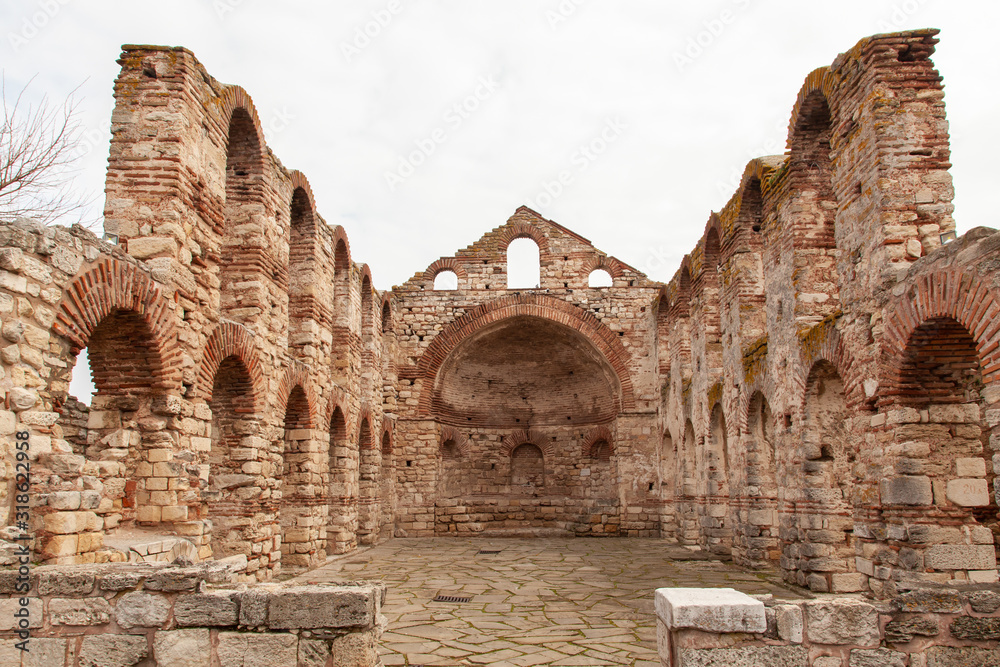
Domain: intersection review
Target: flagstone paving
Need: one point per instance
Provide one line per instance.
(540, 601)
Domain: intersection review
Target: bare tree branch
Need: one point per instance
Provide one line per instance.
(39, 148)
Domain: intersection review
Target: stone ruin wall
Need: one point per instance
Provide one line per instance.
(592, 433)
(830, 371)
(161, 615)
(816, 389)
(923, 626)
(238, 351)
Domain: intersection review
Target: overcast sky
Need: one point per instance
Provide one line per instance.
(671, 98)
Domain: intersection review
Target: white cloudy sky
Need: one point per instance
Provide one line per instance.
(681, 121)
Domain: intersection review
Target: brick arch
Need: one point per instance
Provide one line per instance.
(460, 439)
(953, 294)
(338, 398)
(513, 440)
(820, 81)
(680, 289)
(824, 343)
(610, 264)
(364, 415)
(302, 249)
(533, 305)
(522, 230)
(712, 249)
(235, 98)
(388, 430)
(298, 180)
(444, 264)
(385, 312)
(746, 208)
(597, 435)
(761, 383)
(297, 375)
(115, 285)
(340, 234)
(229, 339)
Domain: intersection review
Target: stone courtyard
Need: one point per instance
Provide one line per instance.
(538, 601)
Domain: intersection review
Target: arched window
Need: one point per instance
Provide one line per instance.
(523, 264)
(601, 451)
(599, 278)
(446, 280)
(231, 402)
(386, 318)
(366, 306)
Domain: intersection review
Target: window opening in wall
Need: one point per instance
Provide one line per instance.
(523, 264)
(446, 280)
(81, 382)
(599, 278)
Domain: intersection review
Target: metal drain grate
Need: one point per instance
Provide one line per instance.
(452, 598)
(488, 552)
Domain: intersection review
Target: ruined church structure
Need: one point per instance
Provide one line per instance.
(816, 390)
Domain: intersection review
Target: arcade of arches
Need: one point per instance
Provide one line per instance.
(816, 390)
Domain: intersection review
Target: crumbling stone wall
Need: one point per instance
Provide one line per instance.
(226, 325)
(527, 411)
(932, 626)
(121, 614)
(816, 389)
(857, 400)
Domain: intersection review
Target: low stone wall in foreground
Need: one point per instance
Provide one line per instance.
(117, 615)
(922, 627)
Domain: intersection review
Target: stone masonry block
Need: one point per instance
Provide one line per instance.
(709, 609)
(907, 490)
(321, 607)
(142, 610)
(239, 649)
(841, 621)
(216, 608)
(961, 557)
(112, 650)
(182, 648)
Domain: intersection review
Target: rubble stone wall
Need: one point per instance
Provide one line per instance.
(921, 627)
(830, 380)
(121, 614)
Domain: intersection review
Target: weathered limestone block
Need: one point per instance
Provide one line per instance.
(903, 630)
(85, 611)
(112, 650)
(710, 609)
(66, 583)
(967, 627)
(238, 649)
(313, 607)
(907, 490)
(961, 557)
(789, 621)
(217, 608)
(142, 610)
(943, 601)
(45, 653)
(947, 656)
(880, 657)
(756, 656)
(182, 648)
(968, 492)
(841, 621)
(11, 605)
(985, 602)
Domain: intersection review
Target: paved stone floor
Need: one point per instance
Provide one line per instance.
(541, 601)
